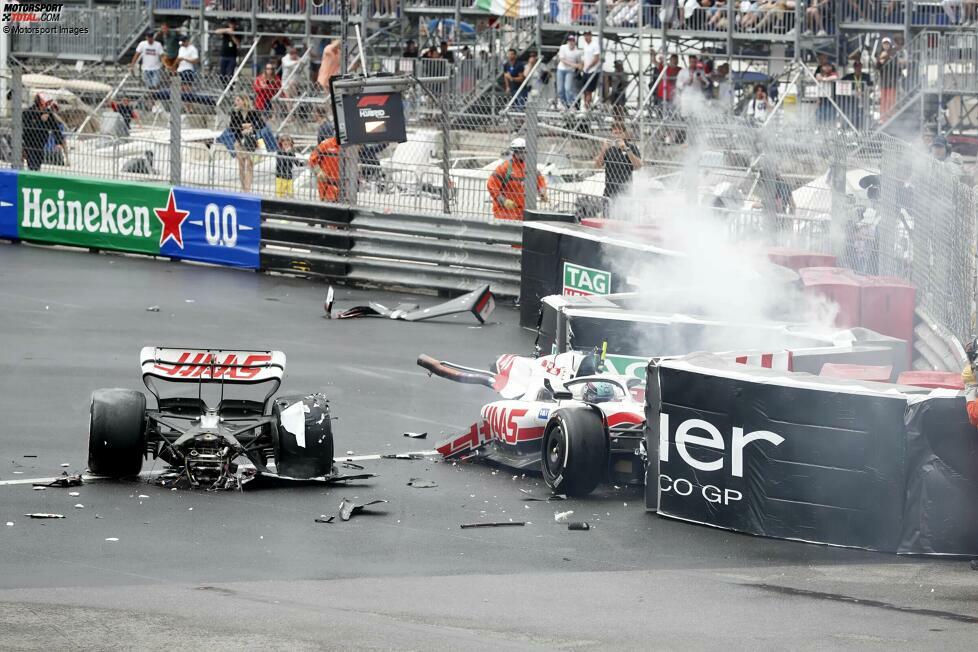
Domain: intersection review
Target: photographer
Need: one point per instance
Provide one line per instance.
(619, 159)
(41, 121)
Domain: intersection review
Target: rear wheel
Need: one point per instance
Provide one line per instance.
(117, 432)
(575, 451)
(303, 436)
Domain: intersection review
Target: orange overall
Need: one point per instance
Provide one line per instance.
(325, 160)
(506, 183)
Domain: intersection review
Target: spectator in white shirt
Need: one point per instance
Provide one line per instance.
(591, 60)
(691, 77)
(187, 59)
(569, 63)
(290, 71)
(760, 105)
(150, 52)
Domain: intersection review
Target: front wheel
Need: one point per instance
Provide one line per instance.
(575, 451)
(117, 432)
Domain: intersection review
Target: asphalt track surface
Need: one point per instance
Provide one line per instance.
(253, 569)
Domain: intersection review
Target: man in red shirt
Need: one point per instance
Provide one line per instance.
(267, 85)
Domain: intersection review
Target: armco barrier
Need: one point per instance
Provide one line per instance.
(437, 252)
(180, 223)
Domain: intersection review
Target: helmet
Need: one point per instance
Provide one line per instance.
(518, 143)
(598, 392)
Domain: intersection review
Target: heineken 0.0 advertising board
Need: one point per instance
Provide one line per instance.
(199, 225)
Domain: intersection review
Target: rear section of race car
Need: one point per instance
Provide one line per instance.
(201, 433)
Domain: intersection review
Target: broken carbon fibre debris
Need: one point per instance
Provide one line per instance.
(563, 517)
(578, 526)
(468, 526)
(66, 480)
(479, 302)
(325, 519)
(328, 304)
(416, 435)
(549, 499)
(349, 509)
(152, 309)
(402, 456)
(419, 483)
(43, 515)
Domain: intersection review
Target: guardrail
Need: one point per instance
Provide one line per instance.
(435, 252)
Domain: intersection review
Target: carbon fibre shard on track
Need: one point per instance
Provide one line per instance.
(479, 302)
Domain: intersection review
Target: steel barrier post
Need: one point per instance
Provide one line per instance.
(175, 111)
(17, 119)
(530, 177)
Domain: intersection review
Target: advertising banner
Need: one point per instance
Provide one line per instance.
(186, 224)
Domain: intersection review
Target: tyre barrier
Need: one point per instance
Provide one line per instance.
(794, 456)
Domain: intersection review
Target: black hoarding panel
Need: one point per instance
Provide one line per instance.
(539, 272)
(941, 507)
(810, 460)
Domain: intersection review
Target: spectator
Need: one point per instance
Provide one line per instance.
(445, 53)
(279, 47)
(466, 53)
(888, 73)
(391, 12)
(759, 106)
(824, 108)
(230, 43)
(244, 125)
(326, 129)
(617, 93)
(149, 53)
(41, 123)
(667, 78)
(431, 53)
(853, 104)
(538, 73)
(170, 41)
(620, 159)
(125, 108)
(285, 164)
(410, 50)
(266, 87)
(691, 78)
(325, 161)
(569, 63)
(514, 73)
(591, 62)
(187, 59)
(506, 184)
(814, 17)
(291, 75)
(724, 87)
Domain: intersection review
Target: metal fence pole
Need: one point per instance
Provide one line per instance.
(175, 147)
(446, 146)
(17, 119)
(530, 177)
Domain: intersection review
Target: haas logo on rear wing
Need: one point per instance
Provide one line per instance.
(211, 364)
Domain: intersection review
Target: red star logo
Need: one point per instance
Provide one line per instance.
(172, 220)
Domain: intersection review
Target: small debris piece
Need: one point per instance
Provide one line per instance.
(580, 525)
(189, 300)
(10, 523)
(419, 483)
(112, 539)
(562, 517)
(39, 487)
(152, 309)
(351, 465)
(30, 455)
(325, 519)
(416, 435)
(328, 304)
(73, 493)
(402, 456)
(79, 506)
(548, 499)
(142, 496)
(65, 465)
(466, 526)
(43, 515)
(349, 509)
(64, 481)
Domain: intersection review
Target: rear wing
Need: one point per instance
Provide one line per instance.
(211, 365)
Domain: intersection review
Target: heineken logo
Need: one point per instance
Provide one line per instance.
(100, 216)
(585, 281)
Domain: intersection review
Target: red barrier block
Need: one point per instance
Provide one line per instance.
(931, 379)
(887, 306)
(798, 259)
(839, 285)
(879, 374)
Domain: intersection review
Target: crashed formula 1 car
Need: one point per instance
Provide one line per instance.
(201, 433)
(582, 427)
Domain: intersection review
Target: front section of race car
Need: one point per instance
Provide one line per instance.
(559, 414)
(201, 432)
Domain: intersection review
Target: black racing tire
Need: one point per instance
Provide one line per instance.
(314, 458)
(574, 458)
(117, 432)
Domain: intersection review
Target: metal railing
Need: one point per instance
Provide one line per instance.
(109, 32)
